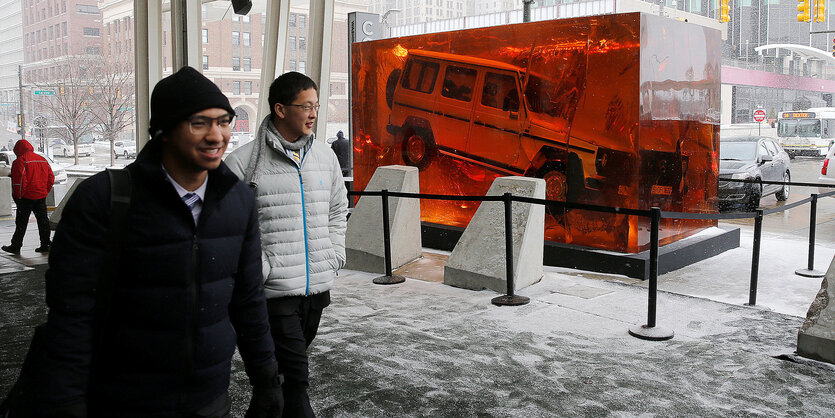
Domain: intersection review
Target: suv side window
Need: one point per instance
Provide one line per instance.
(458, 83)
(762, 150)
(420, 76)
(500, 92)
(4, 159)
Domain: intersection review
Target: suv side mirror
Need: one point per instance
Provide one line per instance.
(766, 158)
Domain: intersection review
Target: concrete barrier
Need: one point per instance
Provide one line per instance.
(6, 196)
(55, 216)
(816, 338)
(478, 260)
(57, 194)
(364, 239)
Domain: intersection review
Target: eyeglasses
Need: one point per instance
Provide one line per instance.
(306, 108)
(199, 125)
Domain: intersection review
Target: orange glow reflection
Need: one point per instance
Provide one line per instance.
(600, 107)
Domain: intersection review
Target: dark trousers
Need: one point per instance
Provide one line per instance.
(24, 208)
(294, 321)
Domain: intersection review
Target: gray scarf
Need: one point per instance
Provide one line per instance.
(268, 136)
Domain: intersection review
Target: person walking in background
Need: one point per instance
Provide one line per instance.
(189, 287)
(32, 179)
(303, 207)
(342, 148)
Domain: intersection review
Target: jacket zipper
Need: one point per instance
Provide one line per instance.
(304, 225)
(191, 319)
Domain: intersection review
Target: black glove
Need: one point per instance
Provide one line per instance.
(267, 398)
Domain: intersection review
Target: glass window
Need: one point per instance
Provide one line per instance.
(292, 20)
(500, 92)
(246, 39)
(771, 147)
(236, 87)
(247, 87)
(302, 67)
(91, 32)
(247, 64)
(205, 62)
(236, 38)
(420, 75)
(236, 64)
(292, 43)
(458, 83)
(302, 43)
(64, 28)
(292, 65)
(205, 33)
(302, 21)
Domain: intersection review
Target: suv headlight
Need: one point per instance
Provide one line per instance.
(741, 176)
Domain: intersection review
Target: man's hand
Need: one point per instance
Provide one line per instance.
(267, 399)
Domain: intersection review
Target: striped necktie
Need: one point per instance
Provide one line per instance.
(191, 200)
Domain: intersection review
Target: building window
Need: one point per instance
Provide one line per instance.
(302, 43)
(302, 20)
(204, 11)
(292, 65)
(205, 36)
(247, 64)
(236, 87)
(292, 43)
(91, 32)
(87, 9)
(247, 87)
(50, 33)
(245, 18)
(205, 62)
(63, 28)
(301, 67)
(92, 50)
(236, 64)
(246, 39)
(236, 38)
(292, 20)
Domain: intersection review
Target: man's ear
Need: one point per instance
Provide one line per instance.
(278, 108)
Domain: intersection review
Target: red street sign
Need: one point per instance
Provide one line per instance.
(759, 115)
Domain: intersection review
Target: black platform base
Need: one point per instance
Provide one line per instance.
(681, 253)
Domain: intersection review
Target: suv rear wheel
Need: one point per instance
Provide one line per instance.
(783, 193)
(418, 147)
(556, 187)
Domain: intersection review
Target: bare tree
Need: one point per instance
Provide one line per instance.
(70, 105)
(113, 100)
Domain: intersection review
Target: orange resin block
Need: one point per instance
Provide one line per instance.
(614, 110)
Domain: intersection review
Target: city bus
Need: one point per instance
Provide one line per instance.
(807, 132)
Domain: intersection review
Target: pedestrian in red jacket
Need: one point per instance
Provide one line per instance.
(32, 179)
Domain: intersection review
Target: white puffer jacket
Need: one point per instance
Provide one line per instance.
(302, 212)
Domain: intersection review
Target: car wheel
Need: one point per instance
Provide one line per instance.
(753, 201)
(126, 155)
(783, 193)
(115, 155)
(556, 187)
(418, 147)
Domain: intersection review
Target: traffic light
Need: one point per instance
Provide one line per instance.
(820, 10)
(19, 120)
(725, 10)
(803, 8)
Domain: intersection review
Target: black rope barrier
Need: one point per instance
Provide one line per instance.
(389, 278)
(648, 331)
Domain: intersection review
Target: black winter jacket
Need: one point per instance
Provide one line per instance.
(183, 297)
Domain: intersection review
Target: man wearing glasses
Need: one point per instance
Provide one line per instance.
(188, 287)
(303, 207)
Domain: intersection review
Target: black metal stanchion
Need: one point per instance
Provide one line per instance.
(388, 278)
(510, 299)
(650, 331)
(810, 271)
(755, 258)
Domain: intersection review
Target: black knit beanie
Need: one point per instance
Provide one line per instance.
(181, 95)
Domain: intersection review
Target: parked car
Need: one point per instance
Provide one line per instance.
(754, 158)
(8, 157)
(125, 149)
(827, 173)
(85, 148)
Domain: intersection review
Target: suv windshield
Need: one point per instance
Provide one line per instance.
(799, 127)
(743, 151)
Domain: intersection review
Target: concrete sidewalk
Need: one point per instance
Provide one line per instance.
(425, 349)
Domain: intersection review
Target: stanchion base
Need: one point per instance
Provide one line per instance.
(650, 333)
(393, 279)
(515, 300)
(810, 273)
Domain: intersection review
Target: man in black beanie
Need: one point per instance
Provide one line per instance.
(189, 287)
